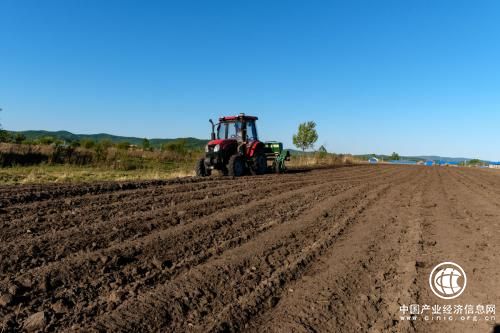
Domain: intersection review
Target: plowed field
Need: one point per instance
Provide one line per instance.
(334, 250)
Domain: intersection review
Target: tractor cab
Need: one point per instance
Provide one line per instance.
(240, 128)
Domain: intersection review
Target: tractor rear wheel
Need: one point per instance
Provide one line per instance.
(236, 166)
(259, 164)
(201, 169)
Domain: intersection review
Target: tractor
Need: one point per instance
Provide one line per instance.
(235, 150)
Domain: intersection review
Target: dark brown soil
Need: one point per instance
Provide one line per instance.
(335, 250)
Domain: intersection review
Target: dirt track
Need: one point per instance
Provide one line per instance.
(335, 250)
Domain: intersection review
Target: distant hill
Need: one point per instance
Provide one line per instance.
(68, 136)
(441, 158)
(419, 158)
(388, 157)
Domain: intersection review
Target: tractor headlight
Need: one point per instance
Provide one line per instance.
(216, 148)
(206, 149)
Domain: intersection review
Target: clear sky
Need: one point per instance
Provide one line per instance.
(415, 77)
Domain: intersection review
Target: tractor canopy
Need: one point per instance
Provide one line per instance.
(241, 117)
(239, 128)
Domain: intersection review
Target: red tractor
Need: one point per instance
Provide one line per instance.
(235, 149)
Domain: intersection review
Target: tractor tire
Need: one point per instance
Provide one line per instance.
(236, 166)
(200, 169)
(259, 164)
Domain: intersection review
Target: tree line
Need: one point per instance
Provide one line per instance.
(178, 146)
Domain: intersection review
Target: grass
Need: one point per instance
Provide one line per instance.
(28, 164)
(320, 160)
(137, 165)
(75, 174)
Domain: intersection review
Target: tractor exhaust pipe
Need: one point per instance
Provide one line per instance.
(212, 136)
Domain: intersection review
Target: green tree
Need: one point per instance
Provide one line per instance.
(19, 138)
(123, 145)
(101, 149)
(475, 162)
(75, 144)
(4, 135)
(87, 143)
(395, 156)
(306, 136)
(46, 140)
(177, 146)
(105, 144)
(146, 144)
(322, 151)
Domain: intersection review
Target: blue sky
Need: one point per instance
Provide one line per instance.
(415, 77)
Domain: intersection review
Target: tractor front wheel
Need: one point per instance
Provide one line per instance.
(236, 166)
(200, 169)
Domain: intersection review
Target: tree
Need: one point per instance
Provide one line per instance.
(105, 144)
(46, 140)
(146, 145)
(306, 136)
(19, 138)
(101, 150)
(87, 143)
(4, 135)
(322, 151)
(475, 162)
(125, 145)
(75, 144)
(177, 146)
(395, 157)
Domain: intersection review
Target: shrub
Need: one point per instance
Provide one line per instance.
(19, 138)
(177, 146)
(106, 144)
(322, 152)
(5, 136)
(123, 145)
(101, 150)
(87, 143)
(75, 144)
(46, 140)
(146, 145)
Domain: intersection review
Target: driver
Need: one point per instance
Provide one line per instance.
(239, 130)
